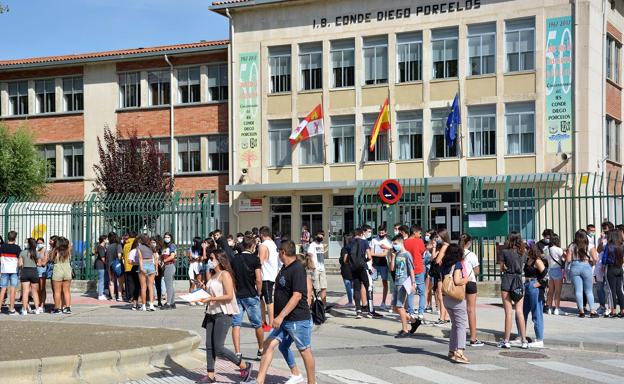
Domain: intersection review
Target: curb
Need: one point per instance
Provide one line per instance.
(494, 337)
(95, 368)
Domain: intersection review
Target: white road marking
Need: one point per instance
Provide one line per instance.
(483, 367)
(577, 371)
(619, 363)
(351, 376)
(431, 375)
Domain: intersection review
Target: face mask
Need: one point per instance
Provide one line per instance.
(210, 265)
(319, 239)
(546, 241)
(382, 236)
(239, 239)
(592, 234)
(396, 247)
(427, 238)
(167, 240)
(231, 243)
(40, 247)
(439, 241)
(396, 232)
(369, 235)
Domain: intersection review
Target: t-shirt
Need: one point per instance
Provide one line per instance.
(126, 253)
(471, 261)
(100, 253)
(317, 251)
(8, 257)
(112, 252)
(271, 264)
(555, 257)
(244, 266)
(446, 269)
(26, 260)
(402, 265)
(345, 269)
(416, 247)
(292, 278)
(167, 251)
(513, 261)
(376, 247)
(146, 252)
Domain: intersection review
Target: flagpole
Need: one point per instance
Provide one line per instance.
(324, 142)
(390, 137)
(461, 122)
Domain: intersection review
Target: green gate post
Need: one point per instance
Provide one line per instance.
(10, 201)
(88, 217)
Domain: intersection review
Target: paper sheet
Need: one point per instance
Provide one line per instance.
(407, 284)
(195, 296)
(477, 220)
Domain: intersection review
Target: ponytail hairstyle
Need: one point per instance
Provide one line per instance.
(32, 249)
(514, 242)
(581, 244)
(463, 240)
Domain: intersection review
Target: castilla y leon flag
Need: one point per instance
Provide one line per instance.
(382, 124)
(312, 125)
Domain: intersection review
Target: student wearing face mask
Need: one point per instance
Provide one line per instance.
(401, 263)
(28, 277)
(380, 248)
(442, 241)
(396, 229)
(42, 271)
(99, 264)
(316, 251)
(168, 258)
(427, 257)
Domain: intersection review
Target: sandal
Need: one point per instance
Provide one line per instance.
(460, 358)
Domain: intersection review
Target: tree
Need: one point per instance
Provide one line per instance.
(22, 169)
(4, 8)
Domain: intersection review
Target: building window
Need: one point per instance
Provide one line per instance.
(73, 94)
(312, 150)
(159, 87)
(279, 68)
(483, 200)
(281, 215)
(612, 137)
(482, 130)
(280, 152)
(444, 53)
(520, 122)
(343, 63)
(438, 125)
(343, 139)
(48, 153)
(218, 153)
(163, 147)
(481, 49)
(410, 130)
(218, 82)
(520, 44)
(18, 98)
(409, 57)
(312, 213)
(380, 153)
(375, 60)
(129, 90)
(188, 85)
(613, 52)
(311, 66)
(189, 158)
(521, 208)
(45, 101)
(73, 160)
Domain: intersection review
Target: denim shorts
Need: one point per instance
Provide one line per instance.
(381, 271)
(42, 272)
(148, 268)
(298, 331)
(251, 305)
(9, 280)
(555, 273)
(398, 296)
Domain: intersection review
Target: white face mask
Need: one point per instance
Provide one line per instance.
(167, 240)
(239, 239)
(40, 246)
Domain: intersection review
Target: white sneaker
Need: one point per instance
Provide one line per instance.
(151, 307)
(192, 304)
(23, 312)
(38, 311)
(525, 345)
(504, 344)
(102, 298)
(517, 342)
(143, 308)
(556, 312)
(295, 379)
(550, 311)
(537, 344)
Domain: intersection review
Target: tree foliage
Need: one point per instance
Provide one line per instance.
(22, 169)
(130, 165)
(3, 8)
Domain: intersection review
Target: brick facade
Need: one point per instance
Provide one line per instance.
(614, 32)
(190, 184)
(176, 61)
(66, 189)
(52, 128)
(42, 72)
(190, 120)
(613, 101)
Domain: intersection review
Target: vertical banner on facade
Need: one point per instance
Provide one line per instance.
(559, 88)
(248, 111)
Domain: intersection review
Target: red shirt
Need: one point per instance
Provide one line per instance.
(416, 247)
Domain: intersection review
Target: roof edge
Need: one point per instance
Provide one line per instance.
(221, 6)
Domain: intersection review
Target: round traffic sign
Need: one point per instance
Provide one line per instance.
(390, 191)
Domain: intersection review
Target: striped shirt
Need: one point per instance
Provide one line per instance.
(9, 254)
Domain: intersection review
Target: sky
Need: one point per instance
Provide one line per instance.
(34, 28)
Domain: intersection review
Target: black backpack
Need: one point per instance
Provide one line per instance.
(357, 258)
(318, 310)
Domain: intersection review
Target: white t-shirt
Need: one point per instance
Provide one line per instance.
(555, 260)
(271, 264)
(133, 256)
(470, 262)
(376, 245)
(317, 252)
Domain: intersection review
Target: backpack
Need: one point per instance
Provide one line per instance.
(318, 310)
(357, 258)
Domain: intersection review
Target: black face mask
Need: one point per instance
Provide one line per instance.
(382, 236)
(319, 239)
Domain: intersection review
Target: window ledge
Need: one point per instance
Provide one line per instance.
(65, 179)
(613, 162)
(378, 162)
(341, 164)
(279, 94)
(517, 73)
(484, 157)
(414, 82)
(444, 159)
(444, 80)
(406, 161)
(41, 115)
(308, 91)
(380, 85)
(167, 106)
(349, 88)
(519, 155)
(200, 173)
(612, 82)
(483, 76)
(278, 168)
(304, 166)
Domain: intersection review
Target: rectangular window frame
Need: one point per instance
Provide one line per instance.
(410, 135)
(450, 66)
(159, 87)
(189, 87)
(517, 115)
(612, 139)
(378, 46)
(280, 70)
(189, 158)
(343, 139)
(438, 124)
(48, 153)
(479, 32)
(75, 167)
(381, 153)
(280, 152)
(408, 45)
(481, 133)
(18, 98)
(343, 76)
(73, 94)
(218, 82)
(218, 153)
(310, 66)
(45, 96)
(514, 34)
(129, 90)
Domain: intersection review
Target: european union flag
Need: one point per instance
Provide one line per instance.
(452, 123)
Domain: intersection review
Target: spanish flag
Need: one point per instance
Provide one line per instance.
(382, 124)
(312, 125)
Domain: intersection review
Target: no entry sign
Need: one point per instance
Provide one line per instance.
(390, 191)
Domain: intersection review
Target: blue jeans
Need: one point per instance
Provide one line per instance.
(602, 295)
(100, 281)
(582, 280)
(534, 303)
(251, 305)
(420, 289)
(349, 288)
(299, 332)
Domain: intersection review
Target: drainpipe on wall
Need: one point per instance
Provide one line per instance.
(575, 156)
(171, 124)
(231, 120)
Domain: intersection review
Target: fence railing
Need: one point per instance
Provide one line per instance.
(83, 219)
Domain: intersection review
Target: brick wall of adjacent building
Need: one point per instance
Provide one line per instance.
(51, 129)
(189, 120)
(65, 189)
(190, 184)
(43, 72)
(176, 61)
(613, 31)
(614, 101)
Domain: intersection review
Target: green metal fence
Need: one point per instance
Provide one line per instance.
(83, 219)
(527, 203)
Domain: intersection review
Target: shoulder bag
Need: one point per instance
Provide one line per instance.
(457, 292)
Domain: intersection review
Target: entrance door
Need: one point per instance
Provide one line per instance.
(446, 216)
